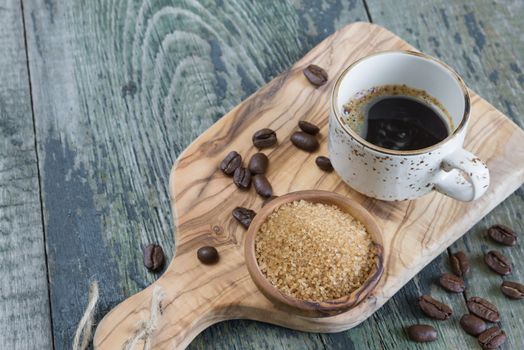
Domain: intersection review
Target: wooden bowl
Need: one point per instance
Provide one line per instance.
(305, 307)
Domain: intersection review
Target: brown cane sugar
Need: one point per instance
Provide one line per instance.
(314, 251)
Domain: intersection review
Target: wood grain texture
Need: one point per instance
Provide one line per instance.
(414, 232)
(120, 88)
(24, 304)
(483, 42)
(109, 152)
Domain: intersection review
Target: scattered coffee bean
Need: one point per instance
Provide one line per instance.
(452, 283)
(264, 138)
(483, 309)
(258, 163)
(267, 200)
(324, 163)
(434, 308)
(208, 255)
(422, 333)
(262, 185)
(503, 235)
(492, 338)
(459, 263)
(244, 216)
(498, 262)
(154, 257)
(232, 161)
(316, 75)
(304, 141)
(472, 324)
(242, 178)
(309, 128)
(513, 290)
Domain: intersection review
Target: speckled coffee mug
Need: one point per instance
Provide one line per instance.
(400, 175)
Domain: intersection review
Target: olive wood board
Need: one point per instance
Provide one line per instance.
(194, 296)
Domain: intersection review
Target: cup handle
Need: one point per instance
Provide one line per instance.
(463, 176)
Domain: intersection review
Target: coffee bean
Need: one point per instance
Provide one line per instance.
(483, 309)
(492, 338)
(208, 255)
(244, 216)
(324, 163)
(258, 163)
(267, 200)
(498, 262)
(316, 75)
(154, 257)
(503, 235)
(422, 333)
(459, 263)
(434, 308)
(305, 141)
(513, 290)
(309, 128)
(472, 324)
(242, 178)
(262, 185)
(264, 138)
(452, 283)
(232, 161)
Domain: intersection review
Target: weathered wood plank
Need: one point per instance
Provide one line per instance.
(314, 20)
(24, 304)
(119, 90)
(413, 233)
(483, 42)
(105, 185)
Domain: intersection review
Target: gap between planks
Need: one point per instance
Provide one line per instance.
(39, 177)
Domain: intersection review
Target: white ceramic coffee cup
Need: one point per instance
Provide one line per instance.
(400, 175)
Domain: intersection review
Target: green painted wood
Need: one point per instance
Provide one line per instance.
(120, 88)
(24, 304)
(483, 42)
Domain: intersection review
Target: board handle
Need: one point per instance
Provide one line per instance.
(166, 315)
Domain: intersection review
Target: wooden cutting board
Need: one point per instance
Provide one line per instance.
(190, 296)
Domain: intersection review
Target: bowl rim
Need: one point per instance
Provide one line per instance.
(306, 307)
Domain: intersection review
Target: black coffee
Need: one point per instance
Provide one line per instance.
(397, 118)
(402, 123)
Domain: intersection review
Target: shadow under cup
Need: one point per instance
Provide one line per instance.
(412, 69)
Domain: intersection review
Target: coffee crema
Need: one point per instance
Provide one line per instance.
(398, 117)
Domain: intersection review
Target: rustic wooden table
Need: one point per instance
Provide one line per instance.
(97, 99)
